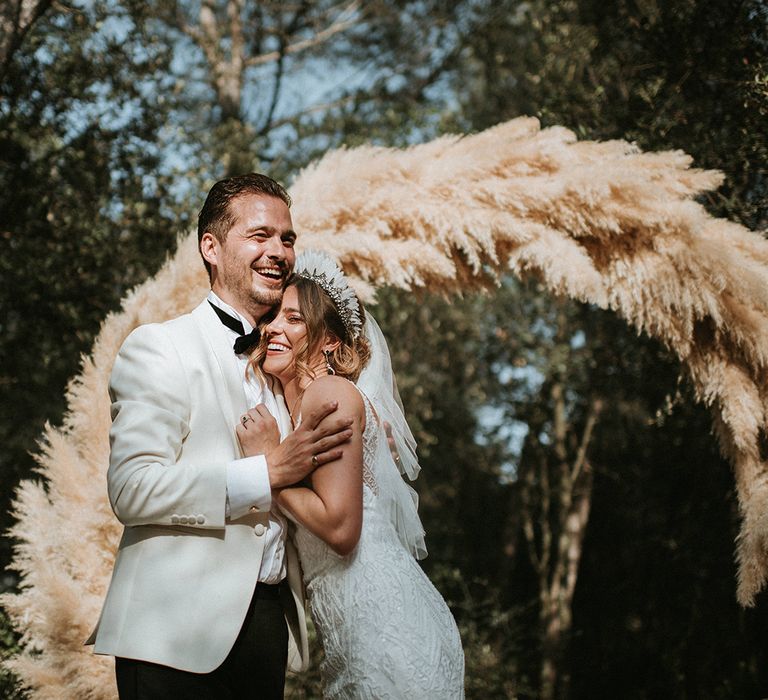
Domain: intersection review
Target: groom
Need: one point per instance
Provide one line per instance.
(206, 598)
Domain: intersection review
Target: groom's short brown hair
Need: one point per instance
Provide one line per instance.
(215, 216)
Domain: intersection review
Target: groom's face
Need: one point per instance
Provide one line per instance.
(257, 255)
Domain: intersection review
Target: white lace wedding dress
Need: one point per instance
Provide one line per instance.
(386, 632)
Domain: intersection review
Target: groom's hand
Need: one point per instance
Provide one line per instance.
(320, 435)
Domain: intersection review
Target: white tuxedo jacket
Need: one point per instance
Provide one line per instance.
(183, 576)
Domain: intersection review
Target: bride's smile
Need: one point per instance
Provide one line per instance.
(286, 334)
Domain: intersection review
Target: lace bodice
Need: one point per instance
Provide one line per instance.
(317, 557)
(386, 631)
(370, 444)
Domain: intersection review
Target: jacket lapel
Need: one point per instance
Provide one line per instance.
(226, 379)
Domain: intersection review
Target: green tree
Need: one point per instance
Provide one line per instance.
(114, 120)
(269, 85)
(81, 208)
(684, 75)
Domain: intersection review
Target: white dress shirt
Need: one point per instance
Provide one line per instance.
(248, 478)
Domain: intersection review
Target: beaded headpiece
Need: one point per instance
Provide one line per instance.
(321, 269)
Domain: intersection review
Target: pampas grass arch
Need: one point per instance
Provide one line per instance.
(599, 222)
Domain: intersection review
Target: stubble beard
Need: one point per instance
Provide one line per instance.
(259, 300)
(261, 297)
(254, 300)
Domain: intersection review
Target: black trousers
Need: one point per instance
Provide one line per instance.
(254, 668)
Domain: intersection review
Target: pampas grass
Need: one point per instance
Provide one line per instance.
(599, 222)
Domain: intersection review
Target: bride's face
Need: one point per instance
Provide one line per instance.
(286, 335)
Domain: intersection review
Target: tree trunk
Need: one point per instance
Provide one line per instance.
(16, 19)
(554, 522)
(229, 37)
(557, 615)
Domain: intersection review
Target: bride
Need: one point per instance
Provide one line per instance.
(385, 630)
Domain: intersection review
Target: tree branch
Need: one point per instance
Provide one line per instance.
(341, 24)
(278, 80)
(526, 484)
(234, 14)
(314, 108)
(16, 20)
(544, 523)
(595, 407)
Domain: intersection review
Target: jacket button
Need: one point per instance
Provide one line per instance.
(174, 520)
(258, 530)
(200, 519)
(183, 519)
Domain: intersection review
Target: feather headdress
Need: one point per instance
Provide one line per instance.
(321, 269)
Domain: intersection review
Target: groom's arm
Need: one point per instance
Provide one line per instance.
(151, 408)
(321, 438)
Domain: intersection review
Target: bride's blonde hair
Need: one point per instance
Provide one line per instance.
(321, 318)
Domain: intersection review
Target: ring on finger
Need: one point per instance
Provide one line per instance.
(315, 463)
(245, 419)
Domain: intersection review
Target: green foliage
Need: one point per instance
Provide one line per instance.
(679, 74)
(657, 575)
(436, 345)
(8, 647)
(307, 685)
(659, 613)
(81, 211)
(492, 633)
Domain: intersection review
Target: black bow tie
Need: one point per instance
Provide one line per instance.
(246, 340)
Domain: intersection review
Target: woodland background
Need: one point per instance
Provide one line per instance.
(580, 518)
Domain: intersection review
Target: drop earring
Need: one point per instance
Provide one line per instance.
(328, 364)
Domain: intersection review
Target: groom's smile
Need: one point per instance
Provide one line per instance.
(273, 273)
(255, 258)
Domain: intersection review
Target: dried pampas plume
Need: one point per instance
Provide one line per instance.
(599, 222)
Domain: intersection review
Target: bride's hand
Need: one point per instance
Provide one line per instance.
(391, 443)
(257, 431)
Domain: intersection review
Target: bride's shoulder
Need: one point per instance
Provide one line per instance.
(332, 388)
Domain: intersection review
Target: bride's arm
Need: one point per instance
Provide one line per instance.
(332, 509)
